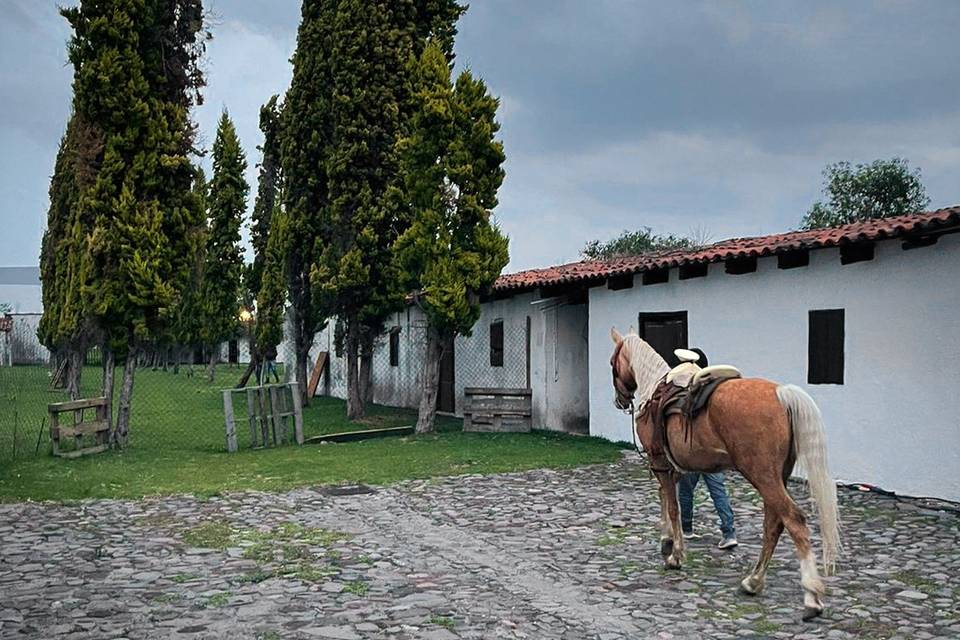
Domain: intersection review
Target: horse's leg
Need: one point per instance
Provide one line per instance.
(772, 528)
(666, 531)
(668, 484)
(796, 524)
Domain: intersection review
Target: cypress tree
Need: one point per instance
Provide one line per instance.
(267, 200)
(268, 188)
(306, 125)
(224, 261)
(348, 104)
(452, 166)
(271, 298)
(190, 313)
(61, 254)
(135, 79)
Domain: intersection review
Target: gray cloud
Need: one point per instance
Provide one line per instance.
(718, 116)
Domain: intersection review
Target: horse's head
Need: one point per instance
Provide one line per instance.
(624, 382)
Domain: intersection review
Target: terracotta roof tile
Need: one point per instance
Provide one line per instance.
(587, 271)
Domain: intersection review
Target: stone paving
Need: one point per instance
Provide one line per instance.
(541, 554)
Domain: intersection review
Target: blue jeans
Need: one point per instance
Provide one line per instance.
(718, 493)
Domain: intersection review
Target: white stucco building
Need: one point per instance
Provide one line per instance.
(865, 317)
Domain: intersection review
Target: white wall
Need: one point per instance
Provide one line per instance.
(895, 422)
(558, 357)
(22, 298)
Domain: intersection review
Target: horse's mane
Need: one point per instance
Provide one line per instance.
(648, 366)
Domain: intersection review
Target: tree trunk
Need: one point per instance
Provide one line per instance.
(299, 374)
(355, 408)
(430, 381)
(107, 384)
(212, 367)
(74, 371)
(122, 430)
(366, 366)
(251, 368)
(177, 358)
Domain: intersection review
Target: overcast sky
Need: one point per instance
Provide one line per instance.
(715, 117)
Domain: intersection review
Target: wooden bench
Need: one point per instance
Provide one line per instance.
(98, 428)
(497, 410)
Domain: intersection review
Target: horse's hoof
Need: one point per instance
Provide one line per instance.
(666, 547)
(673, 564)
(810, 613)
(747, 588)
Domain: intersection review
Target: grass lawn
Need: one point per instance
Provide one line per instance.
(177, 446)
(170, 411)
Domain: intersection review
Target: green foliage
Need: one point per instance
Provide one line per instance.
(306, 125)
(268, 192)
(135, 78)
(272, 296)
(189, 318)
(881, 189)
(224, 261)
(634, 243)
(62, 254)
(349, 101)
(372, 42)
(452, 167)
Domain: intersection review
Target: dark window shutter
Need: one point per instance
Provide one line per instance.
(395, 347)
(825, 347)
(496, 343)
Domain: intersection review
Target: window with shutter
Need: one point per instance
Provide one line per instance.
(825, 347)
(395, 347)
(496, 343)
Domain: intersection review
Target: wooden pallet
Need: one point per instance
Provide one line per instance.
(497, 410)
(81, 431)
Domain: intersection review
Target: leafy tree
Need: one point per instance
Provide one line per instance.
(224, 260)
(268, 199)
(347, 105)
(881, 189)
(306, 126)
(62, 255)
(372, 42)
(452, 167)
(136, 76)
(270, 301)
(189, 319)
(634, 243)
(268, 188)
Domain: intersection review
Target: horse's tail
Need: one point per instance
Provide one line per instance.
(810, 448)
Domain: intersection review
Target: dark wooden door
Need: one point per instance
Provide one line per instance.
(665, 332)
(233, 354)
(446, 398)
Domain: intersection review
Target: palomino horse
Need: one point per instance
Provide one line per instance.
(755, 426)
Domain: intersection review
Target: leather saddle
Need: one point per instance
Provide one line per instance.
(685, 390)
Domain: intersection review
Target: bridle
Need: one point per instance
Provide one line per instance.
(625, 395)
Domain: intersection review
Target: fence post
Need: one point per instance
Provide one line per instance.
(228, 417)
(275, 410)
(252, 416)
(264, 424)
(297, 413)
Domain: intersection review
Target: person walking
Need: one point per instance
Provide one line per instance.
(718, 494)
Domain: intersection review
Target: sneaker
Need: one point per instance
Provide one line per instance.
(690, 535)
(728, 543)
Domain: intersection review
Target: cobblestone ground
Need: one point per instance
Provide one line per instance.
(543, 554)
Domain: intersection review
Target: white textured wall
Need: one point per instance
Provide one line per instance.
(558, 367)
(895, 422)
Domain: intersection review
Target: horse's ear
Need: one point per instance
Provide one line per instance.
(632, 331)
(615, 335)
